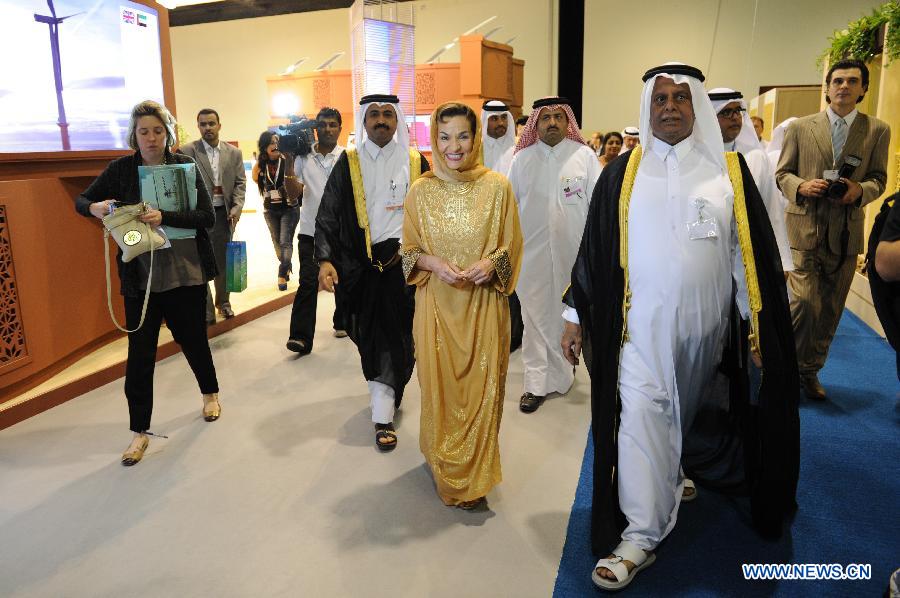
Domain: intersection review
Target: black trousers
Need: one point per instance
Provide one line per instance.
(184, 309)
(303, 313)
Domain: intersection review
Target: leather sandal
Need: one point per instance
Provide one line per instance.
(211, 408)
(529, 402)
(625, 551)
(385, 437)
(130, 458)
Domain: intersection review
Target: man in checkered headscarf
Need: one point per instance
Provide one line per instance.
(553, 175)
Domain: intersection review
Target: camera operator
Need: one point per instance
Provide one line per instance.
(313, 170)
(832, 164)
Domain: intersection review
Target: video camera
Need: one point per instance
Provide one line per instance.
(838, 188)
(297, 138)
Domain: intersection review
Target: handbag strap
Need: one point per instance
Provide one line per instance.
(109, 286)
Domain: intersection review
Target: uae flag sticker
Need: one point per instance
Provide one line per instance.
(141, 20)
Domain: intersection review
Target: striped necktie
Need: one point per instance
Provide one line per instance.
(838, 137)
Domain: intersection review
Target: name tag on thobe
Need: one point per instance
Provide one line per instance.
(396, 197)
(573, 190)
(705, 227)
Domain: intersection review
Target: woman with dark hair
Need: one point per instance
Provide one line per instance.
(612, 145)
(462, 248)
(278, 186)
(179, 276)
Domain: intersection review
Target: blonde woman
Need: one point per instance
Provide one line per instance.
(180, 272)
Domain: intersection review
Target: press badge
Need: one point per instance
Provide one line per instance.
(275, 195)
(704, 227)
(573, 190)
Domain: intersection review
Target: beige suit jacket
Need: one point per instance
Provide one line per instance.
(806, 154)
(231, 171)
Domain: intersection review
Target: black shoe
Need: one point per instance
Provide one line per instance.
(210, 322)
(529, 403)
(297, 346)
(226, 312)
(812, 387)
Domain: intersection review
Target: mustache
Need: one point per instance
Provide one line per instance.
(381, 126)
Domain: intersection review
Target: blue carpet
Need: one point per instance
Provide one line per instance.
(849, 497)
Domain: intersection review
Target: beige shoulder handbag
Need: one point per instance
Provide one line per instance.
(133, 238)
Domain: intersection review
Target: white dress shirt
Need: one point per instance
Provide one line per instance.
(385, 172)
(313, 171)
(213, 154)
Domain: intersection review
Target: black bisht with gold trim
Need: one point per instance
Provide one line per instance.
(377, 304)
(751, 445)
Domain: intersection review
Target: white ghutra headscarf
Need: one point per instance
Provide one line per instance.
(746, 141)
(495, 148)
(401, 135)
(706, 133)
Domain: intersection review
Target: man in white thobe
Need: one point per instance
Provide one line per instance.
(652, 367)
(553, 174)
(631, 137)
(739, 135)
(358, 249)
(498, 136)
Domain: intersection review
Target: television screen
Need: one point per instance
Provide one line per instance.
(72, 71)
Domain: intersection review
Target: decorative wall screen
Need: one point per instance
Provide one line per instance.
(383, 52)
(13, 352)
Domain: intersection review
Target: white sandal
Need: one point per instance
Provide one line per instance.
(689, 497)
(625, 551)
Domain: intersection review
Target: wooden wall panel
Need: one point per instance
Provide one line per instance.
(60, 278)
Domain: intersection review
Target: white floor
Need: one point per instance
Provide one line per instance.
(286, 495)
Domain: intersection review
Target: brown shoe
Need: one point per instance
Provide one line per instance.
(812, 387)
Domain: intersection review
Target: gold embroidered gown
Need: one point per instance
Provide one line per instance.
(462, 331)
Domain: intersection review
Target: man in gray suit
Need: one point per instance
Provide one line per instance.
(222, 168)
(824, 220)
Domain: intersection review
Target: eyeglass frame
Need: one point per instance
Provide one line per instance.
(731, 112)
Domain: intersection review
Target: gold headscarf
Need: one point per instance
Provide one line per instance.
(472, 168)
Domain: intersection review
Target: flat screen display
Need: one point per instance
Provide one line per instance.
(72, 70)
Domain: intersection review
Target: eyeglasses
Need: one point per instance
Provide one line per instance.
(729, 112)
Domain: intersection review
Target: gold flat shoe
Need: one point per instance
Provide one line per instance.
(211, 408)
(132, 457)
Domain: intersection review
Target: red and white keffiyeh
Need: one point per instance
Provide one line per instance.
(530, 135)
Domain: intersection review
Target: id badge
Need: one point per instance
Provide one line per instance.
(830, 175)
(573, 190)
(396, 198)
(705, 227)
(274, 194)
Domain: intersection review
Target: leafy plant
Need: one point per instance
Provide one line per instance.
(860, 39)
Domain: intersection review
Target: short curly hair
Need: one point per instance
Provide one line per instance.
(151, 108)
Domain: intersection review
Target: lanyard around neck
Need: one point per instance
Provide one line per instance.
(277, 174)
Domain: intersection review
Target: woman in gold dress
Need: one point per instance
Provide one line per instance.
(462, 249)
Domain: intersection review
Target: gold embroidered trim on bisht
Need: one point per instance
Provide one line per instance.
(415, 165)
(409, 258)
(743, 230)
(359, 197)
(502, 265)
(634, 160)
(359, 190)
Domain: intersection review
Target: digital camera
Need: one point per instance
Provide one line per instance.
(838, 188)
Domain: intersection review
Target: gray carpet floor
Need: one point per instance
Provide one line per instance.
(285, 495)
